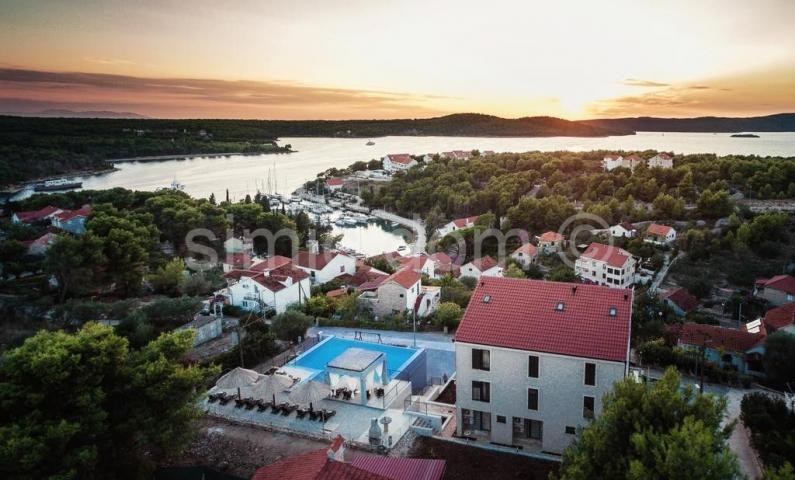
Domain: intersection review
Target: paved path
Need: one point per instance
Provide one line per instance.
(664, 272)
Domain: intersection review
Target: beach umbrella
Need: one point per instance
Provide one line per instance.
(310, 392)
(270, 386)
(236, 378)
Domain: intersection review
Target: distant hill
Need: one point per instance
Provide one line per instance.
(782, 122)
(63, 113)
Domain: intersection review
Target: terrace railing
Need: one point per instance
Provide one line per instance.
(281, 359)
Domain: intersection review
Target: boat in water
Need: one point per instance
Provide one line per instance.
(55, 185)
(370, 143)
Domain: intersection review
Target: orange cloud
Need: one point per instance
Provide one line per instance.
(31, 90)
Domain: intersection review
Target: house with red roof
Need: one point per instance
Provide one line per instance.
(397, 162)
(330, 464)
(457, 155)
(444, 265)
(660, 234)
(780, 318)
(457, 224)
(35, 215)
(525, 255)
(777, 290)
(612, 161)
(606, 265)
(624, 229)
(325, 266)
(534, 359)
(72, 221)
(40, 245)
(681, 301)
(726, 347)
(483, 266)
(551, 242)
(420, 263)
(397, 293)
(661, 160)
(270, 289)
(334, 184)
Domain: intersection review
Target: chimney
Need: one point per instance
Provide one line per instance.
(573, 290)
(626, 297)
(313, 246)
(336, 451)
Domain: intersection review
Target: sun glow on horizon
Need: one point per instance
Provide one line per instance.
(363, 59)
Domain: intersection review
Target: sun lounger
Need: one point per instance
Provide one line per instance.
(278, 408)
(288, 409)
(250, 403)
(213, 397)
(314, 414)
(263, 405)
(301, 413)
(224, 399)
(239, 402)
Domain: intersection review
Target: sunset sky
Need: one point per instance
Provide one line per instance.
(388, 59)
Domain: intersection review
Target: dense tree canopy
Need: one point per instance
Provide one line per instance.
(86, 406)
(659, 431)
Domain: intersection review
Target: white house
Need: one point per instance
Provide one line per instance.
(525, 255)
(606, 265)
(536, 390)
(457, 224)
(457, 155)
(609, 162)
(483, 266)
(35, 215)
(258, 291)
(326, 266)
(660, 234)
(207, 327)
(396, 162)
(661, 160)
(624, 229)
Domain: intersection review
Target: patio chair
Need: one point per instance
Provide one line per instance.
(263, 405)
(301, 413)
(379, 392)
(347, 394)
(313, 415)
(224, 399)
(288, 409)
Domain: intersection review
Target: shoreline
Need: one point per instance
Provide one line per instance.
(186, 156)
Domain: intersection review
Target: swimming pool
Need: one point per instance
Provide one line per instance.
(327, 350)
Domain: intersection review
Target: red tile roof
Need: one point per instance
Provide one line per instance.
(463, 222)
(715, 337)
(657, 229)
(314, 465)
(66, 215)
(405, 277)
(415, 263)
(523, 314)
(484, 263)
(633, 157)
(289, 271)
(315, 261)
(528, 249)
(270, 263)
(682, 298)
(664, 156)
(780, 317)
(613, 156)
(397, 468)
(785, 283)
(441, 258)
(32, 216)
(334, 182)
(403, 158)
(613, 256)
(241, 260)
(550, 237)
(627, 226)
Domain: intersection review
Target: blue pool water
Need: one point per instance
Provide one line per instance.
(321, 354)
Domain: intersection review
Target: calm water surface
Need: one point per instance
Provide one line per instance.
(283, 173)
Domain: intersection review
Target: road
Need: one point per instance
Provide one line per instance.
(664, 272)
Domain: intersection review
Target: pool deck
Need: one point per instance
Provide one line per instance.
(352, 421)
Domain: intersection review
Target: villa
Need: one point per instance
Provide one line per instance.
(274, 289)
(661, 160)
(334, 184)
(624, 229)
(606, 265)
(398, 162)
(778, 290)
(739, 349)
(397, 293)
(535, 358)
